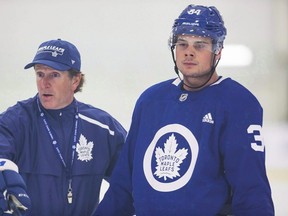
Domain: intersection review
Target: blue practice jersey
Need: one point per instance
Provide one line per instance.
(24, 139)
(188, 151)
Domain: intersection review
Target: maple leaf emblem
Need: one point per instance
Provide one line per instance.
(84, 149)
(54, 54)
(169, 160)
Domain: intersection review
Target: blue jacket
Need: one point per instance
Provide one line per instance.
(25, 140)
(187, 151)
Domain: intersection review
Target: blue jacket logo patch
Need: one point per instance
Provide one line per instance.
(84, 149)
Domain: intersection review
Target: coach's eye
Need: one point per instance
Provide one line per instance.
(54, 75)
(40, 74)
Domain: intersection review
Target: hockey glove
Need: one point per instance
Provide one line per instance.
(13, 197)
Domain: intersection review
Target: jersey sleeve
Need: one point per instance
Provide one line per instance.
(9, 133)
(116, 143)
(244, 159)
(118, 199)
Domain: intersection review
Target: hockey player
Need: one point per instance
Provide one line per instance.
(62, 148)
(194, 147)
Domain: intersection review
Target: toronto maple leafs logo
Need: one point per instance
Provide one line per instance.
(159, 164)
(169, 160)
(54, 54)
(84, 149)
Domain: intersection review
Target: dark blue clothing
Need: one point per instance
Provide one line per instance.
(187, 151)
(24, 139)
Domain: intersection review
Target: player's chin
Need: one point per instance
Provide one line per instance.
(188, 69)
(189, 73)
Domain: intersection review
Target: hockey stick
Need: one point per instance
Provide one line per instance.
(14, 205)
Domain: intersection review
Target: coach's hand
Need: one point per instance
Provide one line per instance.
(13, 197)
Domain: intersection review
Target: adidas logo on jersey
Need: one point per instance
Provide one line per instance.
(208, 118)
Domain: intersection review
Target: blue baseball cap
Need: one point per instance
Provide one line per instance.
(58, 54)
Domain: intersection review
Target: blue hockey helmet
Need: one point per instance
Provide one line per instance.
(200, 21)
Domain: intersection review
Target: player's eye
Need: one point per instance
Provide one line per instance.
(182, 44)
(200, 45)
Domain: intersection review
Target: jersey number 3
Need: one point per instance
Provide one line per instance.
(256, 130)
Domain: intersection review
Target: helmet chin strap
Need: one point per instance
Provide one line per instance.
(212, 70)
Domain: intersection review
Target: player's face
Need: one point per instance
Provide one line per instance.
(194, 58)
(55, 88)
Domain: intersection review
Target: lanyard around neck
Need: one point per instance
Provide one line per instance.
(54, 142)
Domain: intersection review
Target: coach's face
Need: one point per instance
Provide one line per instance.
(55, 88)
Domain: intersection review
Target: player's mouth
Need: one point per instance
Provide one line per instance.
(189, 64)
